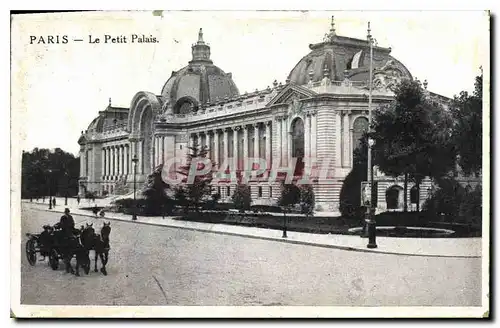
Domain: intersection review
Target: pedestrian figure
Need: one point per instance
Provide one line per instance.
(43, 199)
(95, 210)
(54, 202)
(78, 199)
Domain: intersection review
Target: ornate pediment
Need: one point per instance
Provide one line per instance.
(291, 94)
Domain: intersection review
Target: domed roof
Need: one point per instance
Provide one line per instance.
(198, 83)
(338, 57)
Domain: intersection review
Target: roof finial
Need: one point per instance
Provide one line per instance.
(332, 29)
(369, 35)
(200, 36)
(109, 101)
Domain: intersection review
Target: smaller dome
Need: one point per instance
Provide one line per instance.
(198, 83)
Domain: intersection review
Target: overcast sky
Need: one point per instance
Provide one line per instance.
(57, 89)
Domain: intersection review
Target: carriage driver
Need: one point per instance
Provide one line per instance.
(67, 223)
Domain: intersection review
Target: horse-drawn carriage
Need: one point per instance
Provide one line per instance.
(57, 245)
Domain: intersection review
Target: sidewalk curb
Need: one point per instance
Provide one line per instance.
(297, 242)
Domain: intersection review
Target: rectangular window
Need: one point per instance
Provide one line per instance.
(218, 190)
(228, 191)
(270, 192)
(260, 192)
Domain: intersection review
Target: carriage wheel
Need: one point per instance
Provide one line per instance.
(31, 252)
(54, 259)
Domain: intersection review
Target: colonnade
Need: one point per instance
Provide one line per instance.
(116, 161)
(235, 143)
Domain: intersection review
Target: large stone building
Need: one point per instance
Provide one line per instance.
(319, 113)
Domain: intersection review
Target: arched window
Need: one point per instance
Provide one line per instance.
(359, 127)
(394, 198)
(413, 195)
(298, 144)
(185, 105)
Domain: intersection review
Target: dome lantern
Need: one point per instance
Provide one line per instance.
(200, 50)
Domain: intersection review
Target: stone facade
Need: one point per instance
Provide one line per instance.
(316, 117)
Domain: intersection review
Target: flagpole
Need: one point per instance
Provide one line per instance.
(372, 229)
(369, 36)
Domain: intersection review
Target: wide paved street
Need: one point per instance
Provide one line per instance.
(151, 265)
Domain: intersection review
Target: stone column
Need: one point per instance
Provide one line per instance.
(124, 160)
(226, 144)
(208, 143)
(119, 166)
(268, 144)
(279, 143)
(256, 140)
(346, 142)
(139, 155)
(338, 140)
(307, 139)
(313, 137)
(216, 149)
(235, 146)
(191, 140)
(198, 140)
(112, 161)
(163, 149)
(124, 164)
(117, 161)
(108, 163)
(245, 148)
(285, 141)
(157, 151)
(103, 162)
(82, 163)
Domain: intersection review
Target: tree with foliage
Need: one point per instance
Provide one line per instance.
(180, 198)
(467, 111)
(215, 198)
(242, 197)
(290, 196)
(455, 202)
(446, 199)
(350, 194)
(307, 199)
(44, 170)
(413, 136)
(155, 193)
(196, 187)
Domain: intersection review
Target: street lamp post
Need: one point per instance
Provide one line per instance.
(284, 223)
(50, 193)
(66, 191)
(370, 221)
(134, 214)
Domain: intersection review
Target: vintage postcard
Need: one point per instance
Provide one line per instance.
(250, 164)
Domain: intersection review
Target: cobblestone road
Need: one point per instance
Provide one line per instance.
(152, 265)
